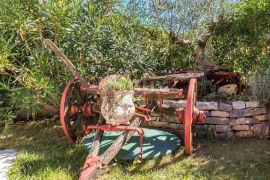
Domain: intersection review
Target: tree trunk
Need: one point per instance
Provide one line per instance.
(199, 50)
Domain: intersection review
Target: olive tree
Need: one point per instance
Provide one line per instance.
(187, 23)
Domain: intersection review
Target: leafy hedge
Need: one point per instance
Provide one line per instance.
(98, 36)
(240, 43)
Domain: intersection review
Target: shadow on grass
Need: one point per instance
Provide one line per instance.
(157, 162)
(45, 153)
(42, 148)
(219, 159)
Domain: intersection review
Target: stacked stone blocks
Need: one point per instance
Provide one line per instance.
(238, 118)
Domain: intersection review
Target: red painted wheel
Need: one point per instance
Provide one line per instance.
(71, 115)
(191, 100)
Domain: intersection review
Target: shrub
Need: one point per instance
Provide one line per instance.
(240, 41)
(100, 39)
(204, 87)
(260, 87)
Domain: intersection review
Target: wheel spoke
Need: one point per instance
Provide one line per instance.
(73, 117)
(78, 95)
(78, 125)
(66, 110)
(72, 122)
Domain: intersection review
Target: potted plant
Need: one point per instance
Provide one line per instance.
(117, 105)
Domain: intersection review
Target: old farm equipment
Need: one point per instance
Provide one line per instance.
(80, 114)
(221, 77)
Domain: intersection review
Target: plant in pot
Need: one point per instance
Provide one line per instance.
(117, 105)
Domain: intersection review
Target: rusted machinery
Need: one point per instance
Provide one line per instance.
(222, 77)
(80, 114)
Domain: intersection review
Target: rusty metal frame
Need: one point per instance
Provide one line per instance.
(187, 115)
(94, 162)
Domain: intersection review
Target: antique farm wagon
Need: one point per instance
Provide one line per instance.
(80, 114)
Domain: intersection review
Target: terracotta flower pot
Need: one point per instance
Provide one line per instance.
(117, 107)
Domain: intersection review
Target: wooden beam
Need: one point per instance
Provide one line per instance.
(175, 77)
(97, 139)
(111, 152)
(67, 62)
(154, 93)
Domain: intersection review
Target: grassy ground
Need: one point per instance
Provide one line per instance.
(44, 153)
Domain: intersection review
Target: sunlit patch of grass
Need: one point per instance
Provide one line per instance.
(219, 159)
(44, 153)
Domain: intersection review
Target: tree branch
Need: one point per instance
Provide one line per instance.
(181, 42)
(212, 27)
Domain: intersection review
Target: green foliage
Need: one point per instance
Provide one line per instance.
(241, 44)
(187, 20)
(260, 86)
(7, 115)
(204, 87)
(98, 36)
(220, 97)
(240, 41)
(106, 37)
(117, 83)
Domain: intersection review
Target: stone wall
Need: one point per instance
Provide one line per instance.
(235, 119)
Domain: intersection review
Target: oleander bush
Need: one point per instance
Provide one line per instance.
(100, 38)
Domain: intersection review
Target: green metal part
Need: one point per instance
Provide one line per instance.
(155, 143)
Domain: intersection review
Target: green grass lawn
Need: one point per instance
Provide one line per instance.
(44, 153)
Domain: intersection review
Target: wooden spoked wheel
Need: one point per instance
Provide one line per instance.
(71, 116)
(191, 100)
